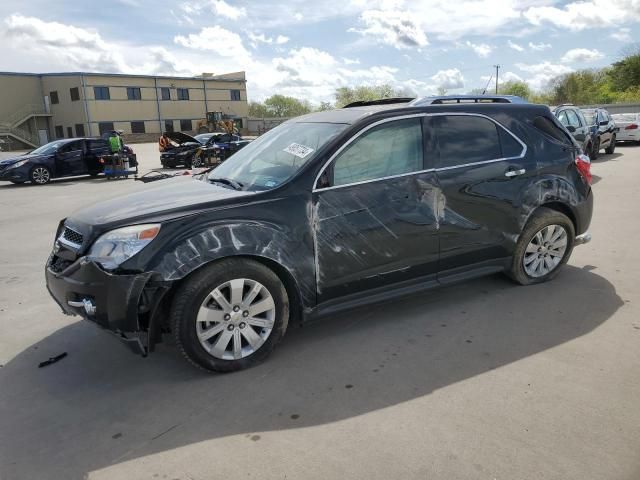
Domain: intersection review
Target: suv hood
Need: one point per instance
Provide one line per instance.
(172, 198)
(181, 138)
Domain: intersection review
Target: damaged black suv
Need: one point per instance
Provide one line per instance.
(326, 212)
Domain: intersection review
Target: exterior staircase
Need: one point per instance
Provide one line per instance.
(13, 128)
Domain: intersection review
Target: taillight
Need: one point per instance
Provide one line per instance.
(633, 126)
(583, 164)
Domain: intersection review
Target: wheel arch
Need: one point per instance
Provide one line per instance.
(562, 208)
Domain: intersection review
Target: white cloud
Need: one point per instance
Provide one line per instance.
(581, 15)
(539, 47)
(262, 38)
(449, 79)
(581, 55)
(224, 9)
(510, 77)
(622, 35)
(482, 49)
(224, 42)
(515, 46)
(351, 61)
(392, 27)
(78, 48)
(541, 73)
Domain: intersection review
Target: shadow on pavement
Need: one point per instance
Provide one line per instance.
(101, 406)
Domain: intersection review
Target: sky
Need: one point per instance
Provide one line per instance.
(307, 49)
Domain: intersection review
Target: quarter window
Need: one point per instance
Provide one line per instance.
(393, 148)
(463, 139)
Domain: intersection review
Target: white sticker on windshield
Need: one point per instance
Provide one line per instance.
(298, 150)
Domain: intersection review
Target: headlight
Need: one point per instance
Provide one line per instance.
(18, 164)
(114, 247)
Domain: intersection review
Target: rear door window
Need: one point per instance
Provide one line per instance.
(573, 118)
(464, 139)
(393, 148)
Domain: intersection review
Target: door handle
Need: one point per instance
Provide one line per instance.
(514, 173)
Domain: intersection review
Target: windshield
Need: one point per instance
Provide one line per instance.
(48, 148)
(203, 137)
(276, 156)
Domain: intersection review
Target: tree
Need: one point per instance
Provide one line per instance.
(626, 73)
(346, 95)
(325, 106)
(514, 87)
(279, 106)
(259, 110)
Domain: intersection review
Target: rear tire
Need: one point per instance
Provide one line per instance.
(539, 254)
(612, 146)
(219, 326)
(595, 150)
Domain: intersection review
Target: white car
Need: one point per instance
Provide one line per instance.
(629, 124)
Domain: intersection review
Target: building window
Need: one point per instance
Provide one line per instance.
(185, 125)
(235, 95)
(75, 94)
(168, 126)
(53, 96)
(133, 93)
(165, 93)
(137, 127)
(69, 132)
(59, 131)
(183, 94)
(101, 93)
(80, 130)
(104, 127)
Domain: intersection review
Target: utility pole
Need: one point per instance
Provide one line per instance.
(497, 71)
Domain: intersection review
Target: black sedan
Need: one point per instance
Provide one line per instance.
(187, 150)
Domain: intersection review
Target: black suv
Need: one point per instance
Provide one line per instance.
(603, 131)
(326, 212)
(574, 121)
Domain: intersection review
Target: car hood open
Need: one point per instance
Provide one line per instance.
(181, 138)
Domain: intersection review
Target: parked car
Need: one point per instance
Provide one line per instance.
(603, 131)
(184, 154)
(326, 212)
(628, 124)
(576, 124)
(60, 158)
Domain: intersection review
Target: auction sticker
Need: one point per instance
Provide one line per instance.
(298, 150)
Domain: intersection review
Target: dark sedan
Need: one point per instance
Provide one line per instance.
(61, 158)
(188, 150)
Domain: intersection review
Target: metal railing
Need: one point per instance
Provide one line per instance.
(21, 134)
(23, 113)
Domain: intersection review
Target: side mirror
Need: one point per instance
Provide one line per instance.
(571, 128)
(604, 123)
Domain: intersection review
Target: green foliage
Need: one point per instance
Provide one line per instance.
(521, 89)
(625, 74)
(346, 95)
(279, 106)
(325, 106)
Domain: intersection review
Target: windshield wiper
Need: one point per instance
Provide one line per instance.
(227, 181)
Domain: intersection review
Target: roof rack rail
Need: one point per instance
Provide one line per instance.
(380, 101)
(449, 99)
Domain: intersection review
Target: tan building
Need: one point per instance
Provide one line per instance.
(37, 108)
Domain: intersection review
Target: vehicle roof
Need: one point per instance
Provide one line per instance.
(356, 114)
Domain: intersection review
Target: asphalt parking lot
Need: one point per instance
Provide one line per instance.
(483, 380)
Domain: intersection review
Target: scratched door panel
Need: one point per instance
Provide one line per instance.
(375, 234)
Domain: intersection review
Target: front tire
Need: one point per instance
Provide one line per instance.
(595, 151)
(40, 175)
(230, 315)
(612, 146)
(544, 246)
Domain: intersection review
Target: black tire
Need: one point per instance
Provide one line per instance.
(595, 151)
(612, 146)
(192, 293)
(40, 175)
(196, 162)
(540, 219)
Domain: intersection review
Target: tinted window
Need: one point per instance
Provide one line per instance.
(71, 147)
(572, 118)
(97, 144)
(547, 126)
(101, 93)
(75, 94)
(463, 139)
(509, 146)
(165, 93)
(183, 93)
(185, 125)
(133, 93)
(392, 148)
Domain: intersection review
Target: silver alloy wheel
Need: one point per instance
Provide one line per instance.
(196, 162)
(40, 175)
(235, 319)
(545, 251)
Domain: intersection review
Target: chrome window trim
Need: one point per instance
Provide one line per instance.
(416, 115)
